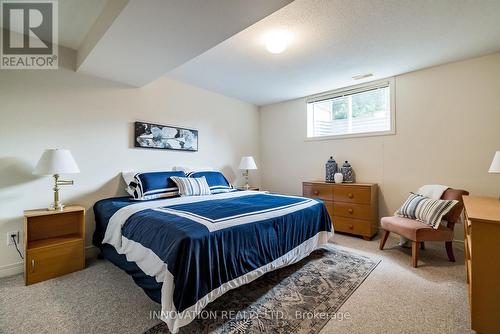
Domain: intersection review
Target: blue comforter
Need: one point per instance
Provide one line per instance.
(201, 247)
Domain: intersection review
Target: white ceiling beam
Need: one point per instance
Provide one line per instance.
(108, 15)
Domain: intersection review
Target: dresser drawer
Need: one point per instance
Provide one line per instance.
(354, 226)
(352, 194)
(351, 210)
(322, 191)
(49, 262)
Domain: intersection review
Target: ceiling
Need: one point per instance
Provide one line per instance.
(217, 44)
(334, 40)
(146, 39)
(75, 19)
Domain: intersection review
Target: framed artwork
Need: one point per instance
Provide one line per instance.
(148, 135)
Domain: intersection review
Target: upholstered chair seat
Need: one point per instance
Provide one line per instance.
(416, 230)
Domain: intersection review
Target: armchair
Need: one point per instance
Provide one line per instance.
(419, 232)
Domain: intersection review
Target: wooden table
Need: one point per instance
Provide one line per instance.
(482, 259)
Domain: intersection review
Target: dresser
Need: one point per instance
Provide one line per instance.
(482, 260)
(353, 207)
(54, 243)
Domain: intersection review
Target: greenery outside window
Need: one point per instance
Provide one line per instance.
(363, 110)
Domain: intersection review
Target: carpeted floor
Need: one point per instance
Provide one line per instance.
(298, 299)
(395, 298)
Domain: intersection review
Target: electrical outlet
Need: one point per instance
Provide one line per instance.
(14, 234)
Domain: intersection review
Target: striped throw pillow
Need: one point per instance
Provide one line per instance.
(426, 210)
(192, 186)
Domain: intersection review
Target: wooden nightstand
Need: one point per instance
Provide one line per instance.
(54, 243)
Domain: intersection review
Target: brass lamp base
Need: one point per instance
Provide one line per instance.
(57, 205)
(53, 207)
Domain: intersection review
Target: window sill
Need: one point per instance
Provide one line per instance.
(352, 135)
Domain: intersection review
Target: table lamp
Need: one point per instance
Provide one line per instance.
(55, 162)
(495, 164)
(246, 164)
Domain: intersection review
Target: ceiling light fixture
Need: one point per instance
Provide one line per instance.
(362, 76)
(277, 41)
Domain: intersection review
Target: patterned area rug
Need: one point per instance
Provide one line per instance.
(300, 298)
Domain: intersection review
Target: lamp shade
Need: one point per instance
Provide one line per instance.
(56, 161)
(495, 164)
(247, 163)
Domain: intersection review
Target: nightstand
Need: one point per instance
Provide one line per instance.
(54, 243)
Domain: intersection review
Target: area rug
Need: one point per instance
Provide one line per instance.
(297, 299)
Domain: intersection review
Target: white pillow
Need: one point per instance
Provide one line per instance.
(128, 177)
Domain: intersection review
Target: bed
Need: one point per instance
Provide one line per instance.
(185, 252)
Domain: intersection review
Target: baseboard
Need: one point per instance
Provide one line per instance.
(91, 252)
(12, 269)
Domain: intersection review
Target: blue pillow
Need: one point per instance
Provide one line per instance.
(216, 181)
(152, 185)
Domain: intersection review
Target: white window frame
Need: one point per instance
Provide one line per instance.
(352, 90)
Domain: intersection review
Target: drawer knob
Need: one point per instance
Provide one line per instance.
(316, 192)
(33, 265)
(350, 210)
(350, 195)
(351, 227)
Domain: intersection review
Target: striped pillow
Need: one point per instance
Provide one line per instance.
(426, 210)
(192, 186)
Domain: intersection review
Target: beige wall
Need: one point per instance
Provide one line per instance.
(448, 126)
(93, 118)
(447, 130)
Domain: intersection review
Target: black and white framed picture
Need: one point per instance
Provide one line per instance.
(148, 135)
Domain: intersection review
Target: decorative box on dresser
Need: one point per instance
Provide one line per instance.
(54, 243)
(482, 259)
(353, 207)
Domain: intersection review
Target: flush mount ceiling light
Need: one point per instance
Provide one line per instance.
(277, 41)
(362, 76)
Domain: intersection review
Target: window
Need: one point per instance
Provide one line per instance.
(362, 110)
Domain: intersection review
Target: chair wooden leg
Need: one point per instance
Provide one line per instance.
(422, 246)
(383, 239)
(449, 250)
(414, 253)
